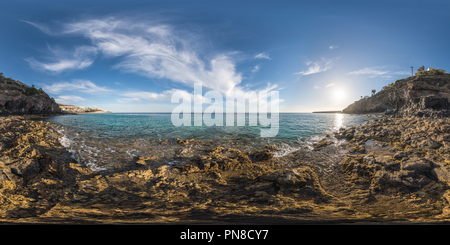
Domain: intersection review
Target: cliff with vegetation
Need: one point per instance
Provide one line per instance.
(17, 98)
(420, 95)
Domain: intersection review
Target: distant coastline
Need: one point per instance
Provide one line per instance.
(327, 112)
(80, 109)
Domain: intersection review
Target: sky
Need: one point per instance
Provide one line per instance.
(131, 56)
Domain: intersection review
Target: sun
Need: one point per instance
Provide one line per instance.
(339, 94)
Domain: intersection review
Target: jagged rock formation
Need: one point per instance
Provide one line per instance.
(17, 98)
(413, 96)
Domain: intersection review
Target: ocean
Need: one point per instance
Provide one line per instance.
(105, 141)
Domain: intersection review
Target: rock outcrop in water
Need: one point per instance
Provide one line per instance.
(425, 95)
(17, 98)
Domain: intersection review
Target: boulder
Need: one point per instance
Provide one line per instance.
(429, 144)
(25, 167)
(17, 170)
(388, 162)
(384, 177)
(417, 165)
(400, 154)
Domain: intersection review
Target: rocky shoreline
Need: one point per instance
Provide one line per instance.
(390, 170)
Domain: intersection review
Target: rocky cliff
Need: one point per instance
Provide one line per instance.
(413, 96)
(17, 98)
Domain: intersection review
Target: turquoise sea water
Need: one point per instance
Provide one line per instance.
(100, 139)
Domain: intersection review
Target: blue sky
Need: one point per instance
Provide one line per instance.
(130, 56)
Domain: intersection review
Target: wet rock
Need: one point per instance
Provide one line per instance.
(144, 161)
(188, 141)
(271, 147)
(357, 148)
(321, 144)
(345, 133)
(261, 155)
(378, 148)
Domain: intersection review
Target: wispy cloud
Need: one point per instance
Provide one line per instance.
(67, 99)
(256, 69)
(262, 56)
(60, 60)
(334, 47)
(42, 27)
(148, 48)
(327, 86)
(379, 72)
(316, 67)
(369, 71)
(83, 86)
(403, 73)
(144, 96)
(149, 96)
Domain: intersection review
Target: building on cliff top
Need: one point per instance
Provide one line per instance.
(435, 69)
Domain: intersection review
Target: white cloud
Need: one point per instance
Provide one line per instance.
(129, 100)
(379, 72)
(67, 99)
(60, 60)
(158, 51)
(256, 69)
(403, 73)
(369, 71)
(262, 56)
(316, 67)
(165, 96)
(329, 85)
(40, 26)
(60, 65)
(334, 47)
(77, 85)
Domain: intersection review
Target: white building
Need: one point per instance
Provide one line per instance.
(434, 69)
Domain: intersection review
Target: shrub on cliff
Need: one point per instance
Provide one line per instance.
(33, 91)
(388, 86)
(421, 71)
